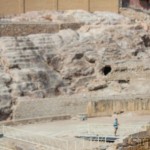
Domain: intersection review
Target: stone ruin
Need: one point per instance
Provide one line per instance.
(137, 141)
(108, 55)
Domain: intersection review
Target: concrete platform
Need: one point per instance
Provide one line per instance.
(98, 126)
(60, 134)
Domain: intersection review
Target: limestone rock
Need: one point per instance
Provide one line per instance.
(91, 57)
(5, 94)
(70, 16)
(109, 55)
(97, 85)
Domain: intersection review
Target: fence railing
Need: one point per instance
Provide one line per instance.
(36, 140)
(66, 140)
(51, 142)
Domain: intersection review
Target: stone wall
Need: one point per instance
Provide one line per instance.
(29, 109)
(8, 7)
(75, 105)
(22, 29)
(108, 107)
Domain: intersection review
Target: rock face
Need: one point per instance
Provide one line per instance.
(68, 16)
(110, 59)
(5, 96)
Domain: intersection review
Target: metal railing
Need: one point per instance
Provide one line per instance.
(51, 142)
(33, 139)
(66, 140)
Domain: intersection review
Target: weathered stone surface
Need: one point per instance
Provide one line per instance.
(107, 55)
(91, 57)
(137, 141)
(24, 28)
(97, 86)
(5, 96)
(68, 16)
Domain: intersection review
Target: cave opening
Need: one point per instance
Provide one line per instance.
(106, 70)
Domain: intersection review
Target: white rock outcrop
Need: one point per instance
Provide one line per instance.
(108, 58)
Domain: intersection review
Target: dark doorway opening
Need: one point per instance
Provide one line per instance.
(106, 70)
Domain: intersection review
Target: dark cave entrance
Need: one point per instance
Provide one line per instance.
(106, 70)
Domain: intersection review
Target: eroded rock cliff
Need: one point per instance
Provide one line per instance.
(107, 57)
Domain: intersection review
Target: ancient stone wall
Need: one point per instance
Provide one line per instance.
(75, 105)
(108, 107)
(22, 29)
(30, 109)
(106, 57)
(8, 7)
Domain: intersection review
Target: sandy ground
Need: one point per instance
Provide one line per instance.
(52, 128)
(61, 134)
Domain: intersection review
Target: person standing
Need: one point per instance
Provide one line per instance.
(116, 124)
